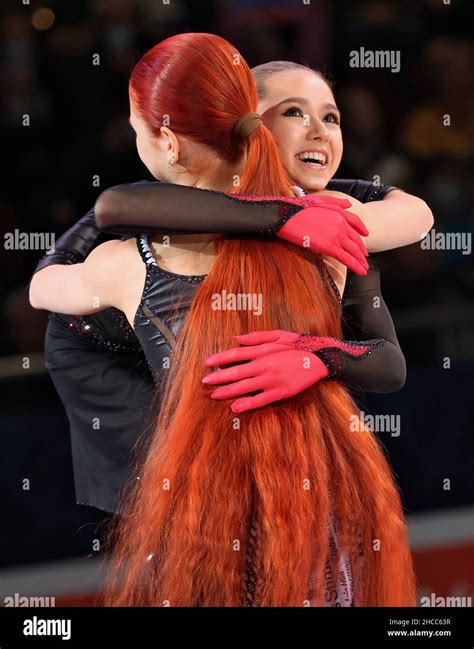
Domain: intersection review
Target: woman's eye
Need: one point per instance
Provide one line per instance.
(293, 112)
(332, 118)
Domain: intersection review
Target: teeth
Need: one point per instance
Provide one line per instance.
(312, 156)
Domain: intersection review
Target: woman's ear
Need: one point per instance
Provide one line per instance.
(170, 143)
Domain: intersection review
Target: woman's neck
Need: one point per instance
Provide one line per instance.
(186, 254)
(194, 253)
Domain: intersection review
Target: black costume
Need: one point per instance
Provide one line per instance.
(97, 363)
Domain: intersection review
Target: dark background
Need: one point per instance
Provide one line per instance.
(392, 130)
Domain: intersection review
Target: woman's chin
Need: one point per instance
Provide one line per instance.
(309, 183)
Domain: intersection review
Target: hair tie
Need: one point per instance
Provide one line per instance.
(247, 124)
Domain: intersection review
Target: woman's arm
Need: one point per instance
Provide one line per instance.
(81, 288)
(366, 317)
(368, 357)
(398, 220)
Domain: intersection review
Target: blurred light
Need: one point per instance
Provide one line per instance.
(43, 19)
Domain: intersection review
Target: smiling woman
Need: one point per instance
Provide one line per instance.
(311, 145)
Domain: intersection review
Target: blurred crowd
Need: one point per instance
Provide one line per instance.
(66, 66)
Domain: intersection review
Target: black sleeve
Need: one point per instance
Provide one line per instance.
(151, 207)
(364, 190)
(75, 244)
(161, 207)
(365, 318)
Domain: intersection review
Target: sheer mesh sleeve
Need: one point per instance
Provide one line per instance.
(366, 318)
(155, 207)
(161, 207)
(369, 357)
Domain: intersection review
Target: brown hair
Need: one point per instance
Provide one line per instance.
(266, 70)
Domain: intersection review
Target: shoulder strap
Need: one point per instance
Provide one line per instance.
(145, 250)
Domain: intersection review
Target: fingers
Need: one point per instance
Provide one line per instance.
(259, 400)
(231, 374)
(234, 355)
(354, 250)
(328, 200)
(348, 260)
(357, 240)
(239, 354)
(237, 389)
(354, 221)
(259, 337)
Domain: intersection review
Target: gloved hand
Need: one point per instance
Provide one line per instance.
(276, 368)
(326, 227)
(279, 365)
(322, 224)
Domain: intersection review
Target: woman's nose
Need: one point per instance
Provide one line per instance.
(318, 130)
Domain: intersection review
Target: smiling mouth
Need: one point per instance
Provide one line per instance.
(312, 160)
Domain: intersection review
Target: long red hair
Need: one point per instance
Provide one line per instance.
(210, 474)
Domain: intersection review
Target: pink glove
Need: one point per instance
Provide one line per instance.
(329, 229)
(322, 224)
(276, 368)
(279, 365)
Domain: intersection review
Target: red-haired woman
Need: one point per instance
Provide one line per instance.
(288, 471)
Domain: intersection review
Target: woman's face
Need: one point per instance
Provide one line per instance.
(300, 110)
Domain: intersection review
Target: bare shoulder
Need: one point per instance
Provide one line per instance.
(114, 252)
(115, 268)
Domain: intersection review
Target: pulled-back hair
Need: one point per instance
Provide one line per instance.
(261, 73)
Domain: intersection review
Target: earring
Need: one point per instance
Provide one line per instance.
(171, 160)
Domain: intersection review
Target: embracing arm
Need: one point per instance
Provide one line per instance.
(367, 321)
(80, 288)
(400, 219)
(152, 207)
(75, 244)
(396, 221)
